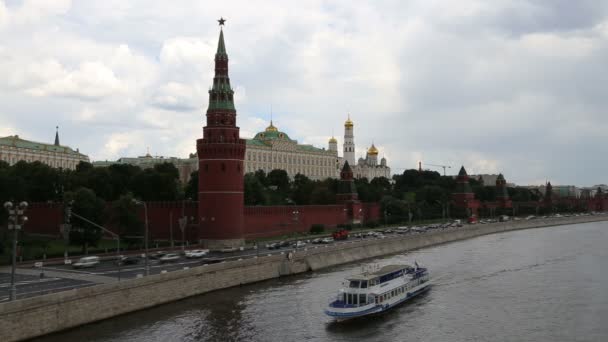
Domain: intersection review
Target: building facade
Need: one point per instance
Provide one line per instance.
(273, 149)
(14, 149)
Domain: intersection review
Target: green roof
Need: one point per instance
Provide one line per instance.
(272, 135)
(15, 141)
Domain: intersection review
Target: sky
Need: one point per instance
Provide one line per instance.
(517, 87)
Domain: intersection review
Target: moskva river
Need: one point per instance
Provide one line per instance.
(548, 284)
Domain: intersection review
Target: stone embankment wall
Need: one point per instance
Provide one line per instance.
(42, 315)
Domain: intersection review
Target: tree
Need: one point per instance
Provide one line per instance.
(255, 194)
(302, 189)
(125, 218)
(191, 189)
(86, 204)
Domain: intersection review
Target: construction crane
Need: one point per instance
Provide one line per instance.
(443, 166)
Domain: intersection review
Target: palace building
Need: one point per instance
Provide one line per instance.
(14, 149)
(273, 149)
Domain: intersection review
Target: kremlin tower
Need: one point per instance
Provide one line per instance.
(221, 152)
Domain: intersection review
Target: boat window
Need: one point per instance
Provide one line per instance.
(354, 284)
(355, 299)
(364, 284)
(362, 299)
(349, 299)
(376, 299)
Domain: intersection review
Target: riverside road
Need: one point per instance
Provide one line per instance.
(33, 281)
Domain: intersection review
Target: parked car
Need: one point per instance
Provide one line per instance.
(273, 245)
(196, 253)
(169, 257)
(128, 260)
(86, 262)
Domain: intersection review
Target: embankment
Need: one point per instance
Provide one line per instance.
(46, 314)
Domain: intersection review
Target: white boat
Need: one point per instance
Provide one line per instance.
(378, 291)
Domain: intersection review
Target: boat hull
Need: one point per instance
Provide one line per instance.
(377, 309)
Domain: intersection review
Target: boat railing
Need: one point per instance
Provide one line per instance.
(341, 304)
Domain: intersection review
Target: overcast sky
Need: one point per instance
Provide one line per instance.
(517, 87)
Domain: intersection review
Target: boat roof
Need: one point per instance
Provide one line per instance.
(378, 273)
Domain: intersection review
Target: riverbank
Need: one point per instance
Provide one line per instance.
(64, 310)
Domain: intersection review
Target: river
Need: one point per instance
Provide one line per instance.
(547, 284)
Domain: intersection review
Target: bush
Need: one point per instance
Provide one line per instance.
(372, 224)
(317, 228)
(346, 226)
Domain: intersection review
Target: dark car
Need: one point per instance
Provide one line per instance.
(128, 260)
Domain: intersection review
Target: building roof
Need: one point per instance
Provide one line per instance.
(15, 141)
(462, 171)
(272, 133)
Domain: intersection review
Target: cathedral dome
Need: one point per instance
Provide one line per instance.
(271, 128)
(373, 151)
(333, 140)
(348, 123)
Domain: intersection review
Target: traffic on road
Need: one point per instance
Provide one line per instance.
(76, 274)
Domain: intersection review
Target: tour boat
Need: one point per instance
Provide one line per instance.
(377, 291)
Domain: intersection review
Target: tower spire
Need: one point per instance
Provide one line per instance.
(57, 136)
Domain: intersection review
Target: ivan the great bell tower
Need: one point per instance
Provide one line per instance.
(221, 152)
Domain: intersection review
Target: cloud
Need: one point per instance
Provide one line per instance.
(503, 86)
(91, 81)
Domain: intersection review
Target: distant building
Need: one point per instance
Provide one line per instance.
(14, 149)
(367, 167)
(184, 166)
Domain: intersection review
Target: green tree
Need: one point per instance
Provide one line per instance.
(125, 218)
(302, 189)
(255, 193)
(86, 204)
(191, 189)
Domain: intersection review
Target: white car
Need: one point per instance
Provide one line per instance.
(86, 262)
(299, 244)
(169, 257)
(196, 253)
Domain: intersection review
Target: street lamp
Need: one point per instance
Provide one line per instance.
(16, 219)
(146, 267)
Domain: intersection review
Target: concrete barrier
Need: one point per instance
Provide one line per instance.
(63, 310)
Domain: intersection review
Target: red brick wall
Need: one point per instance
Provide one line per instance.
(260, 221)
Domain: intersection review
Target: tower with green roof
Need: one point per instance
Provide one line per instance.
(221, 152)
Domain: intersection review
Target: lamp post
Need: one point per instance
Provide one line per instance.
(146, 266)
(16, 219)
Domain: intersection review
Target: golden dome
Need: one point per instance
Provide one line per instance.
(271, 128)
(348, 122)
(372, 150)
(333, 140)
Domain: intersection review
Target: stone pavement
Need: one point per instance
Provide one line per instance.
(61, 274)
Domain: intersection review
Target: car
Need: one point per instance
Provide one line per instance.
(169, 257)
(86, 262)
(299, 244)
(196, 253)
(317, 240)
(128, 260)
(284, 244)
(157, 255)
(273, 245)
(327, 240)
